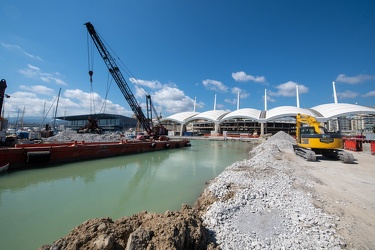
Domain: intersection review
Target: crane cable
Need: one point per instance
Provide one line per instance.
(109, 83)
(90, 59)
(131, 75)
(90, 63)
(123, 67)
(139, 85)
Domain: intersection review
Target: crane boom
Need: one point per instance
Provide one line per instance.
(119, 78)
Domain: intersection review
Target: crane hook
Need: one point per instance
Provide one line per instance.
(91, 73)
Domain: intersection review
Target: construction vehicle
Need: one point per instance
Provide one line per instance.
(110, 62)
(91, 127)
(313, 139)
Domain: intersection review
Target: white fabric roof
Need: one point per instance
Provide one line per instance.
(212, 115)
(333, 110)
(321, 112)
(284, 111)
(180, 117)
(245, 113)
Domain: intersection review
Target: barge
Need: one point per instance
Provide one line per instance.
(26, 156)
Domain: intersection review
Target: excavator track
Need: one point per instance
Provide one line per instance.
(307, 154)
(340, 155)
(345, 157)
(310, 155)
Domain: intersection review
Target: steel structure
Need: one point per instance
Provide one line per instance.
(121, 82)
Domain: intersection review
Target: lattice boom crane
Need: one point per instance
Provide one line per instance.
(119, 79)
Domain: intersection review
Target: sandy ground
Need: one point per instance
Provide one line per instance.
(347, 191)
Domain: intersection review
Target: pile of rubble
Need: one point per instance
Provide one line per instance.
(171, 230)
(261, 204)
(257, 203)
(71, 135)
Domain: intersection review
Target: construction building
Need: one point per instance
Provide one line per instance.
(108, 122)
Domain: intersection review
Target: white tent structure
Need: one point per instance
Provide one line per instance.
(322, 113)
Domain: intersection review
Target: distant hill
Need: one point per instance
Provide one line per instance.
(35, 120)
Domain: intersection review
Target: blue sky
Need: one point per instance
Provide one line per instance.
(182, 50)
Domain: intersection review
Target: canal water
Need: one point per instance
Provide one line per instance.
(39, 206)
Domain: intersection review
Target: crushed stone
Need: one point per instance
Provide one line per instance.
(71, 135)
(268, 207)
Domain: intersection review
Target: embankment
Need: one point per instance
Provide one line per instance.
(273, 200)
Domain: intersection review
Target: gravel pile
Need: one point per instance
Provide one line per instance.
(70, 135)
(260, 204)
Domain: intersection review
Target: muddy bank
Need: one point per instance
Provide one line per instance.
(172, 230)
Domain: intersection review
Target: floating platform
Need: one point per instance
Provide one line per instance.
(25, 156)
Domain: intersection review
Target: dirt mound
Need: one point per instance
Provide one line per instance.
(172, 230)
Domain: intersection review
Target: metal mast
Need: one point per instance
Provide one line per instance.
(119, 79)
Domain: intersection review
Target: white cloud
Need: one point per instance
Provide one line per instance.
(243, 93)
(288, 89)
(241, 76)
(19, 48)
(71, 102)
(75, 101)
(38, 89)
(33, 105)
(354, 79)
(235, 90)
(11, 46)
(369, 94)
(171, 100)
(35, 72)
(58, 81)
(140, 93)
(220, 106)
(33, 68)
(347, 94)
(215, 85)
(168, 99)
(32, 56)
(149, 84)
(231, 101)
(269, 98)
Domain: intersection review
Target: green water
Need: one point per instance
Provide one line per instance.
(39, 206)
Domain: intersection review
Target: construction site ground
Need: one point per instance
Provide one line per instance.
(348, 190)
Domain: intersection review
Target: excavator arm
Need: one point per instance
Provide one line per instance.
(119, 78)
(313, 126)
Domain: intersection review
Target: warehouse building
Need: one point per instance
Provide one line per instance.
(108, 122)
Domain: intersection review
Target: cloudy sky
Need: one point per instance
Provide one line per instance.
(181, 51)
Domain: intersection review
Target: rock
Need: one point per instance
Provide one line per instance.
(104, 242)
(139, 239)
(173, 230)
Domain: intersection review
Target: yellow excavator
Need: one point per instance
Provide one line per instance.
(313, 139)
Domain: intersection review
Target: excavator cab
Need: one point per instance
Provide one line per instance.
(317, 140)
